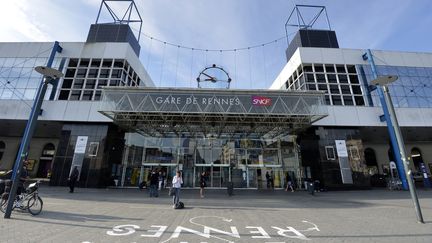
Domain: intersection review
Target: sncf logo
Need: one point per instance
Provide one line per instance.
(261, 101)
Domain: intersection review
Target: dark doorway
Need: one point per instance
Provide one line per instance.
(45, 161)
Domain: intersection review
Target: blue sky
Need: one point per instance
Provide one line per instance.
(403, 25)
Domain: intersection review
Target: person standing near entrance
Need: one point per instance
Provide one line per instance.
(267, 179)
(177, 181)
(154, 180)
(271, 179)
(203, 183)
(289, 184)
(73, 179)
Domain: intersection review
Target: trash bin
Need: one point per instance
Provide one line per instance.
(230, 188)
(311, 187)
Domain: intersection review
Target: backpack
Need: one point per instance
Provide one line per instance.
(179, 205)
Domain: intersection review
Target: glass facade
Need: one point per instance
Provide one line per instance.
(340, 82)
(412, 89)
(84, 78)
(19, 80)
(243, 161)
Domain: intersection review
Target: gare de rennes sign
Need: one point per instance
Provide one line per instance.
(179, 100)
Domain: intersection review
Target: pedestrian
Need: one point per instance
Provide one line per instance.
(203, 183)
(177, 181)
(289, 184)
(73, 178)
(160, 178)
(267, 175)
(271, 179)
(154, 180)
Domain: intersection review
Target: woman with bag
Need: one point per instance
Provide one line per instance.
(176, 185)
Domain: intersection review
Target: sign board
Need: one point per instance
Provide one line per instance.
(341, 148)
(345, 167)
(81, 145)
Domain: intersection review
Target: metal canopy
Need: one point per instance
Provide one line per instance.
(211, 113)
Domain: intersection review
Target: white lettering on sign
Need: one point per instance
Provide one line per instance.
(208, 232)
(192, 100)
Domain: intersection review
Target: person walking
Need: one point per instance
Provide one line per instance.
(267, 175)
(177, 181)
(154, 180)
(203, 183)
(73, 179)
(271, 179)
(289, 184)
(160, 178)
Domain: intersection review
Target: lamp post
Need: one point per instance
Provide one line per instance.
(383, 81)
(49, 75)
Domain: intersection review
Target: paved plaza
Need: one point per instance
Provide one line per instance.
(129, 215)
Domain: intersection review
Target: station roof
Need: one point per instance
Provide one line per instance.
(211, 112)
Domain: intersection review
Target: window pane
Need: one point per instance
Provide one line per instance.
(336, 100)
(78, 84)
(343, 79)
(330, 68)
(340, 68)
(75, 95)
(348, 100)
(93, 73)
(345, 89)
(351, 69)
(359, 100)
(87, 95)
(319, 68)
(84, 63)
(73, 62)
(90, 83)
(354, 79)
(81, 73)
(70, 73)
(320, 78)
(331, 78)
(356, 89)
(96, 62)
(64, 95)
(67, 83)
(107, 63)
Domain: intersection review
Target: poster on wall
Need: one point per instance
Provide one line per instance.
(341, 148)
(81, 145)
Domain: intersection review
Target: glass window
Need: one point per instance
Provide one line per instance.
(340, 68)
(348, 100)
(345, 89)
(330, 68)
(90, 83)
(84, 63)
(64, 95)
(75, 95)
(102, 82)
(104, 73)
(343, 79)
(310, 77)
(327, 100)
(118, 63)
(334, 89)
(322, 87)
(114, 82)
(70, 73)
(81, 73)
(78, 84)
(29, 94)
(319, 68)
(311, 86)
(73, 62)
(116, 73)
(87, 95)
(356, 89)
(67, 83)
(331, 78)
(98, 94)
(95, 63)
(359, 100)
(93, 73)
(107, 63)
(351, 69)
(21, 83)
(354, 79)
(336, 99)
(320, 78)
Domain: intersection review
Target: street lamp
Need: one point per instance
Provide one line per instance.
(383, 81)
(49, 75)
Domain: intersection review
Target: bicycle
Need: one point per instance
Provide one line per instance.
(30, 196)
